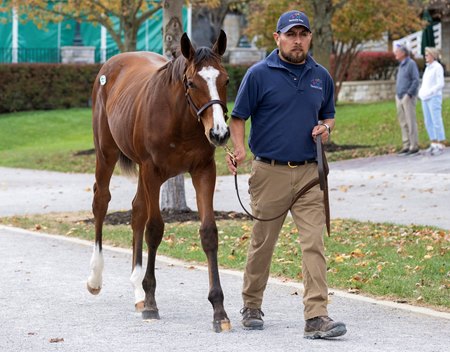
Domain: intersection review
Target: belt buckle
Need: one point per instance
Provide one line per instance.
(292, 166)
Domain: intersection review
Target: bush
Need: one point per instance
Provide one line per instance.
(57, 86)
(236, 73)
(45, 86)
(370, 66)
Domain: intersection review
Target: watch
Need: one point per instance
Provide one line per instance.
(328, 128)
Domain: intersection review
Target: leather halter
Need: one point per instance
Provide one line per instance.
(199, 111)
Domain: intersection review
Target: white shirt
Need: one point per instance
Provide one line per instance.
(432, 81)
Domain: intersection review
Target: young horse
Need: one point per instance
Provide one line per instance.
(166, 117)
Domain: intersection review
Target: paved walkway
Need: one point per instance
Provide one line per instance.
(43, 295)
(403, 190)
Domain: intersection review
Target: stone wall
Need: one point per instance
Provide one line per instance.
(373, 91)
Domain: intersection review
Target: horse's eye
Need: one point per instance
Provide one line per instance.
(190, 84)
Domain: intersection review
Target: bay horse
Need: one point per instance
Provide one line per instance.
(166, 117)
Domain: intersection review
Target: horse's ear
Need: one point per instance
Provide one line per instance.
(221, 43)
(186, 47)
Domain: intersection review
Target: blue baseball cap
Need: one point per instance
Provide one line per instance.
(291, 19)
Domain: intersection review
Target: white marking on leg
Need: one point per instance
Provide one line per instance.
(96, 265)
(137, 277)
(210, 74)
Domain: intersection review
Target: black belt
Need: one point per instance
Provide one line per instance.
(288, 163)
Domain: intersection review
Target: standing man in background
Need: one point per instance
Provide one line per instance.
(290, 99)
(407, 85)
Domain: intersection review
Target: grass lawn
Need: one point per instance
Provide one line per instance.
(405, 263)
(400, 263)
(49, 140)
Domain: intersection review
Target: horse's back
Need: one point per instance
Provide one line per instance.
(126, 69)
(116, 96)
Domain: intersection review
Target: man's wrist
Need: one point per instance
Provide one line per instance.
(327, 127)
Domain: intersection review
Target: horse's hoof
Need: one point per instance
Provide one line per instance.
(94, 291)
(221, 325)
(150, 315)
(139, 306)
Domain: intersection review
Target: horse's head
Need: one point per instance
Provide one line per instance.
(205, 81)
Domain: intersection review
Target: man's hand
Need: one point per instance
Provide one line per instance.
(323, 130)
(239, 155)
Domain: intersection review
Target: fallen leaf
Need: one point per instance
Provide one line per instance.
(354, 291)
(56, 340)
(339, 259)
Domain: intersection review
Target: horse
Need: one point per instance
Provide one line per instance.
(160, 118)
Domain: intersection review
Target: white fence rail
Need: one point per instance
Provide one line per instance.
(414, 41)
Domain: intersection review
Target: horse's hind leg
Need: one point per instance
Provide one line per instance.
(106, 159)
(204, 183)
(138, 220)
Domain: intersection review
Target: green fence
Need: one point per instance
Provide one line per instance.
(36, 45)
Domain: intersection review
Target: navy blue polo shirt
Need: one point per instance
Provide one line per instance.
(284, 108)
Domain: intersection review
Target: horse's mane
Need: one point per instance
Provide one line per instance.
(174, 70)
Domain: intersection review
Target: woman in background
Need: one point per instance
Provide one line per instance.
(430, 93)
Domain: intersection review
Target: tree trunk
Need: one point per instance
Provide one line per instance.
(173, 195)
(207, 22)
(323, 34)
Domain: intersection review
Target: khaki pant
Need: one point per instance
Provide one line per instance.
(406, 115)
(272, 189)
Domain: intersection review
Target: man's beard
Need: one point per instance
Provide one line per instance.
(293, 58)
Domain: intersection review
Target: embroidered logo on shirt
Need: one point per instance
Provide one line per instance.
(316, 83)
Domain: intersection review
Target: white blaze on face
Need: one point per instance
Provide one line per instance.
(95, 278)
(210, 74)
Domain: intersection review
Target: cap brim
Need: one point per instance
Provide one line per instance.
(285, 29)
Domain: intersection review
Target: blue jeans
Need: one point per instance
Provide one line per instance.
(432, 114)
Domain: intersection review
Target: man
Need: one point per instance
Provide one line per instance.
(290, 100)
(405, 99)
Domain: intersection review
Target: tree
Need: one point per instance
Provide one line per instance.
(362, 20)
(130, 14)
(264, 15)
(339, 26)
(173, 195)
(208, 17)
(323, 12)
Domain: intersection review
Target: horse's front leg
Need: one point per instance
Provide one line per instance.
(204, 183)
(154, 231)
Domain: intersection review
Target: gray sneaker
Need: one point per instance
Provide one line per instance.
(323, 327)
(252, 318)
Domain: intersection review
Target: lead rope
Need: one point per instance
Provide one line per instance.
(323, 171)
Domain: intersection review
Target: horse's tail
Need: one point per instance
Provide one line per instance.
(127, 165)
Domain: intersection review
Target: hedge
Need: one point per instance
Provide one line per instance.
(45, 86)
(57, 86)
(370, 66)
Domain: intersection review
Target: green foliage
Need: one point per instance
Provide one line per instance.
(45, 86)
(52, 86)
(235, 73)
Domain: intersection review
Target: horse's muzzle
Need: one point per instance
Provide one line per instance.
(219, 139)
